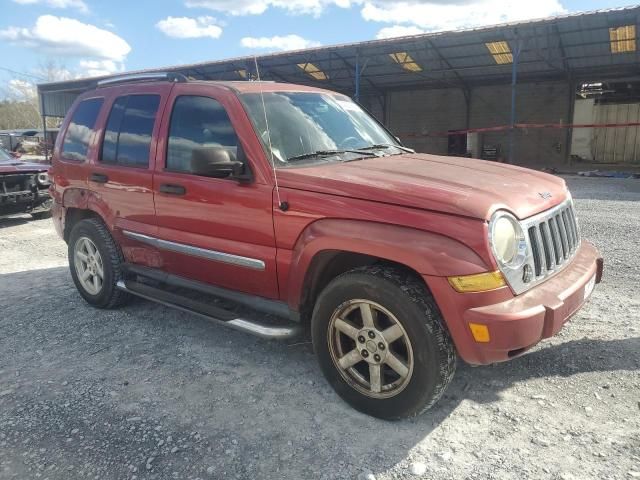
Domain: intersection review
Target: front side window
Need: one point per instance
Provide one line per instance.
(127, 138)
(5, 156)
(197, 123)
(302, 124)
(81, 129)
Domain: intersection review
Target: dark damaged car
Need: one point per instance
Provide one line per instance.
(24, 187)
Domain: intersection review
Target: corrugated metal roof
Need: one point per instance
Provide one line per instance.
(573, 46)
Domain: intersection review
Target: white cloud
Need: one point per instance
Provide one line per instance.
(21, 89)
(68, 37)
(430, 15)
(256, 7)
(98, 68)
(185, 27)
(74, 4)
(434, 15)
(287, 42)
(53, 72)
(399, 31)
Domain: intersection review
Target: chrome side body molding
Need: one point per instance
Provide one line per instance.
(214, 255)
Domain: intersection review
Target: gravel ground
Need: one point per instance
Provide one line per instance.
(147, 392)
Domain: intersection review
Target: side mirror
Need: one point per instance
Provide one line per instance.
(216, 162)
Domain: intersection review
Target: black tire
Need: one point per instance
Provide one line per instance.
(407, 298)
(112, 260)
(41, 215)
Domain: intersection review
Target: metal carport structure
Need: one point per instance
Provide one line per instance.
(568, 49)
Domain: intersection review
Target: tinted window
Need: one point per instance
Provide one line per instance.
(197, 122)
(127, 138)
(110, 142)
(5, 156)
(80, 130)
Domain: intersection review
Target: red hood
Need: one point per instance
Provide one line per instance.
(462, 186)
(16, 166)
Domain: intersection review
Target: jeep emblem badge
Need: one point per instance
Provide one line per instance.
(545, 195)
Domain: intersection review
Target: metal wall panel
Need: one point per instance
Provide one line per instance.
(582, 138)
(616, 145)
(57, 104)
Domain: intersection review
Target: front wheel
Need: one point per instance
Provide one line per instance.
(381, 342)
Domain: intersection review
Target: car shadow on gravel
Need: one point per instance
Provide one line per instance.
(484, 384)
(260, 406)
(13, 221)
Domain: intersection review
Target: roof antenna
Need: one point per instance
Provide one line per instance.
(284, 206)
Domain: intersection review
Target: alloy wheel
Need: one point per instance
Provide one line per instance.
(370, 348)
(89, 266)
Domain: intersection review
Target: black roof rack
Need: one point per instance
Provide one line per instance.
(143, 77)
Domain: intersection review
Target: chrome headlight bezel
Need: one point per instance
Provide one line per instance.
(520, 244)
(42, 179)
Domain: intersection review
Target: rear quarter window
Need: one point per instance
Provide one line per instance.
(81, 129)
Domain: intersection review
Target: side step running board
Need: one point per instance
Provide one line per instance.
(274, 307)
(210, 312)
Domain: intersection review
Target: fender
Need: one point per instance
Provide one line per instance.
(88, 201)
(425, 252)
(84, 199)
(75, 198)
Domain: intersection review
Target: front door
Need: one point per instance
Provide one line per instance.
(218, 231)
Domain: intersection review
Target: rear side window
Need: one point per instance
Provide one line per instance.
(81, 129)
(127, 138)
(197, 122)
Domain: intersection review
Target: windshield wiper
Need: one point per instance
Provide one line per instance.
(328, 153)
(382, 146)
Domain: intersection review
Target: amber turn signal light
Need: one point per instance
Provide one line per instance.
(480, 332)
(480, 282)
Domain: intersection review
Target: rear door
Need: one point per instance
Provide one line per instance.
(121, 176)
(73, 150)
(218, 231)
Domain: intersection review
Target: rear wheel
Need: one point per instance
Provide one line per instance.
(95, 261)
(381, 342)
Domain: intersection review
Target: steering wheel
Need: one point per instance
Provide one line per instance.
(349, 142)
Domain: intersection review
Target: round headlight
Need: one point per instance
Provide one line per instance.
(42, 178)
(507, 240)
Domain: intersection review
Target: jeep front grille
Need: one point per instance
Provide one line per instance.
(554, 238)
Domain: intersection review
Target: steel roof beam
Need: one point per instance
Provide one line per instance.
(463, 84)
(351, 68)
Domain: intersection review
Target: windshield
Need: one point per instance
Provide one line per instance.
(5, 156)
(315, 127)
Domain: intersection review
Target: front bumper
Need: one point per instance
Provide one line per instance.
(27, 201)
(516, 323)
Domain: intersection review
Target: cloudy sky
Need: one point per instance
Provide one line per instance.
(94, 37)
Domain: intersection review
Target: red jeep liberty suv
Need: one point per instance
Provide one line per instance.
(294, 207)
